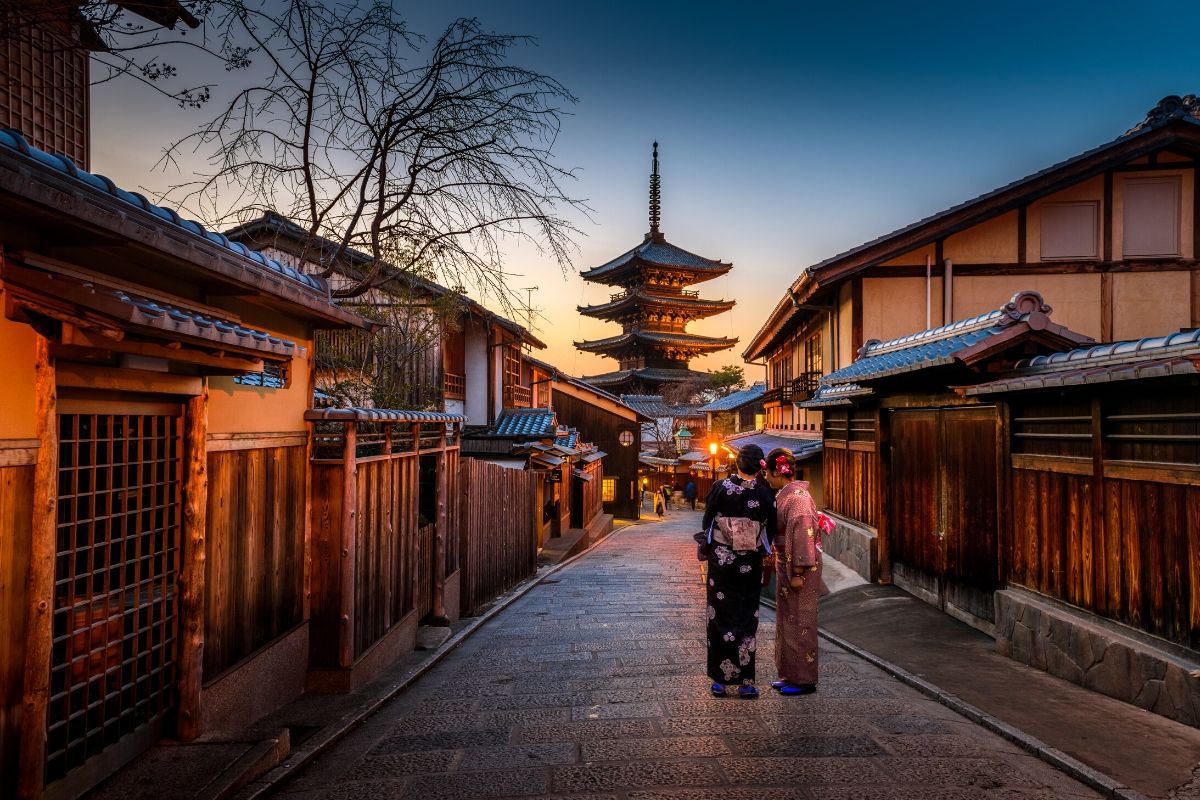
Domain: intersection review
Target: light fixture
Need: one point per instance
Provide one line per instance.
(712, 448)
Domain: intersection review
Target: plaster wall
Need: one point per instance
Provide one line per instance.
(1091, 190)
(896, 306)
(1186, 206)
(1075, 299)
(475, 356)
(17, 345)
(234, 408)
(992, 241)
(845, 325)
(913, 258)
(1150, 303)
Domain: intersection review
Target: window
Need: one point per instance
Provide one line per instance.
(812, 353)
(273, 376)
(608, 490)
(1151, 217)
(512, 365)
(1069, 230)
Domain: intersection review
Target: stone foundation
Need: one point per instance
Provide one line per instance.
(1099, 654)
(855, 545)
(262, 683)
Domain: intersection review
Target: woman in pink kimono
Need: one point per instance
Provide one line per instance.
(798, 576)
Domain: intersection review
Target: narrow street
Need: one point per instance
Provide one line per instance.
(592, 686)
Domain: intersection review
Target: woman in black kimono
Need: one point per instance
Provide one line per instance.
(739, 523)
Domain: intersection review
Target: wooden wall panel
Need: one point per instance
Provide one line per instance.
(498, 531)
(16, 516)
(255, 551)
(851, 484)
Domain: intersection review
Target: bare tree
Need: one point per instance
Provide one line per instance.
(139, 39)
(424, 155)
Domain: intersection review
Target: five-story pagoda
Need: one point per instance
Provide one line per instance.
(654, 309)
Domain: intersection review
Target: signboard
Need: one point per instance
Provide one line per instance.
(554, 476)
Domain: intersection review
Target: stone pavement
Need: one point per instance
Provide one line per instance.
(591, 686)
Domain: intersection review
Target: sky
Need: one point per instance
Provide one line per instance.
(788, 132)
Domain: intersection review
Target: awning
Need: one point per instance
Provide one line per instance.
(583, 476)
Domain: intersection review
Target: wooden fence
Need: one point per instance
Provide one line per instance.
(374, 559)
(497, 531)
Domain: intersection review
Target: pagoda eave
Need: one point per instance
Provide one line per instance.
(693, 307)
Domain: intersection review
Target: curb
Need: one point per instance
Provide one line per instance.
(1052, 756)
(323, 740)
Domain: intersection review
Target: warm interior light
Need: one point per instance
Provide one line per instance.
(712, 448)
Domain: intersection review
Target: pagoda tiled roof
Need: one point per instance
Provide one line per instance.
(659, 338)
(656, 251)
(629, 377)
(653, 406)
(639, 298)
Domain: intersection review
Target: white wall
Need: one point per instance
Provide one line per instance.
(476, 355)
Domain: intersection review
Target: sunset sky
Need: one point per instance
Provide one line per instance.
(788, 132)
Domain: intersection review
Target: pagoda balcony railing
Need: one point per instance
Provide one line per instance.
(517, 396)
(455, 386)
(692, 293)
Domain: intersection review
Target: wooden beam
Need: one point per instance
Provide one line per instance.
(129, 380)
(438, 613)
(80, 342)
(40, 580)
(1034, 268)
(1106, 307)
(349, 537)
(191, 596)
(856, 315)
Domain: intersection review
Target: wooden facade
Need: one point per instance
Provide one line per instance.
(498, 550)
(603, 420)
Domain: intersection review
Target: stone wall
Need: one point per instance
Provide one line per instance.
(1099, 654)
(855, 545)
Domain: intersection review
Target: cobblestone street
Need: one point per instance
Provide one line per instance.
(592, 686)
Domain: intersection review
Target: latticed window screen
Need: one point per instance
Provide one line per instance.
(118, 553)
(608, 492)
(512, 365)
(44, 92)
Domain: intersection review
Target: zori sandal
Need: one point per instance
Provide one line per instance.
(793, 689)
(718, 690)
(747, 692)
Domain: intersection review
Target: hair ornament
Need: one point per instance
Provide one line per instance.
(762, 462)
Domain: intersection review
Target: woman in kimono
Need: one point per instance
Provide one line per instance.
(739, 523)
(798, 577)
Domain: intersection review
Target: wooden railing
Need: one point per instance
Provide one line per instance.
(455, 386)
(517, 396)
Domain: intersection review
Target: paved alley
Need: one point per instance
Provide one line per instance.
(592, 686)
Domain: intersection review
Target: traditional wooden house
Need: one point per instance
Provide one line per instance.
(435, 348)
(911, 468)
(153, 475)
(1109, 238)
(737, 412)
(1100, 556)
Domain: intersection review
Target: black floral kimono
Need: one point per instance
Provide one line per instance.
(735, 580)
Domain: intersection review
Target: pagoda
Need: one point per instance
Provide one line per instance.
(654, 308)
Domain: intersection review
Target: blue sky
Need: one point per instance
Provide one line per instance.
(788, 131)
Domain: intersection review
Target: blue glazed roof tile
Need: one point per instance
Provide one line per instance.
(801, 447)
(14, 141)
(526, 422)
(736, 400)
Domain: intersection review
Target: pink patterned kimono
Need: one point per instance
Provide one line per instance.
(797, 556)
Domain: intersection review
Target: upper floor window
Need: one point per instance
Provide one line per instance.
(1070, 230)
(1151, 217)
(512, 365)
(812, 353)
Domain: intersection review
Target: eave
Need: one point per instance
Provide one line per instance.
(698, 307)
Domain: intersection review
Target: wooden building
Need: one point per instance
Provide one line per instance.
(436, 348)
(654, 308)
(1045, 495)
(737, 412)
(153, 475)
(1108, 237)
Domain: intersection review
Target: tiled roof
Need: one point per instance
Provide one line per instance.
(13, 141)
(525, 422)
(660, 338)
(145, 312)
(736, 400)
(943, 345)
(641, 298)
(580, 383)
(377, 415)
(647, 374)
(657, 251)
(652, 405)
(833, 396)
(801, 446)
(1151, 357)
(570, 440)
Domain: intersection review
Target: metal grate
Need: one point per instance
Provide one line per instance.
(112, 668)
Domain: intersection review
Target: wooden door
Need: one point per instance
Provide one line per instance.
(915, 502)
(118, 555)
(944, 493)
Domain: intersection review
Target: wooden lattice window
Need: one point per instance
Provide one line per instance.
(862, 425)
(837, 424)
(1154, 429)
(608, 493)
(812, 354)
(1060, 427)
(512, 365)
(44, 92)
(115, 632)
(274, 375)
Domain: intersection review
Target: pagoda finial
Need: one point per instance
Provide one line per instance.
(655, 194)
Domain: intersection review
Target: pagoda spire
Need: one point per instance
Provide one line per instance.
(655, 194)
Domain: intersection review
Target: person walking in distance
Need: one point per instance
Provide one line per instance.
(739, 524)
(689, 492)
(666, 493)
(798, 576)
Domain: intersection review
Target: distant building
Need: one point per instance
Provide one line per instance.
(737, 412)
(654, 309)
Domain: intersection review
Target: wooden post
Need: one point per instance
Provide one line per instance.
(349, 519)
(883, 492)
(438, 612)
(39, 629)
(191, 597)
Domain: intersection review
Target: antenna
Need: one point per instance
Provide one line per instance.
(529, 290)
